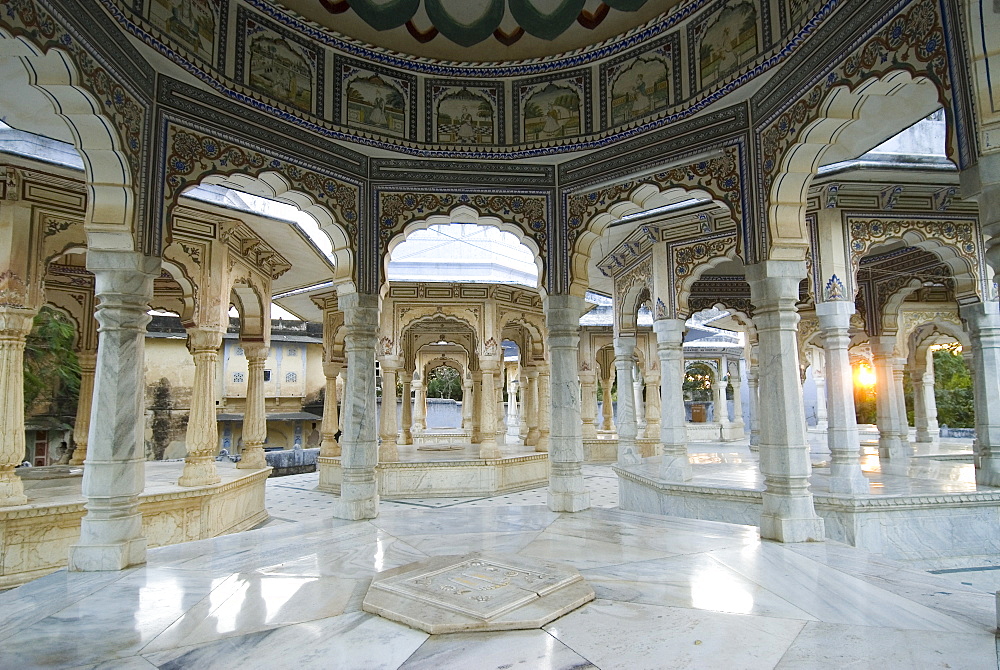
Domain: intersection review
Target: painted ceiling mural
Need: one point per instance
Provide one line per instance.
(309, 62)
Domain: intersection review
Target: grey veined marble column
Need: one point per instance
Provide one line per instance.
(789, 514)
(111, 531)
(628, 430)
(753, 396)
(358, 443)
(254, 413)
(566, 488)
(842, 426)
(983, 323)
(892, 436)
(675, 465)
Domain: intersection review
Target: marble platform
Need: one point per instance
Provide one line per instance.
(924, 509)
(35, 538)
(675, 593)
(604, 449)
(454, 471)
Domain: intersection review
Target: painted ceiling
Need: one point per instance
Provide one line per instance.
(481, 30)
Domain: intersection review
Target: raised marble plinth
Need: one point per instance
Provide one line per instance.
(907, 519)
(35, 538)
(448, 478)
(605, 449)
(477, 592)
(446, 437)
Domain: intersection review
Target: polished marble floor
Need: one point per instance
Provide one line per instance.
(671, 593)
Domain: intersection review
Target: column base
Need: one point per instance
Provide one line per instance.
(850, 483)
(252, 459)
(491, 452)
(99, 557)
(387, 452)
(11, 490)
(78, 457)
(988, 473)
(356, 510)
(675, 469)
(628, 453)
(891, 448)
(567, 501)
(199, 471)
(358, 495)
(785, 529)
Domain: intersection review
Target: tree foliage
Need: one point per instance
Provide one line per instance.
(953, 390)
(444, 382)
(51, 369)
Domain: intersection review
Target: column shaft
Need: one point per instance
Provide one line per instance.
(358, 442)
(202, 438)
(789, 514)
(567, 492)
(388, 431)
(983, 323)
(330, 447)
(544, 410)
(111, 531)
(652, 408)
(842, 426)
(15, 324)
(607, 404)
(487, 417)
(254, 413)
(674, 465)
(532, 409)
(588, 405)
(890, 442)
(85, 404)
(628, 453)
(406, 415)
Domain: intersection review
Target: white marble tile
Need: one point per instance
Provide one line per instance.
(831, 595)
(463, 543)
(250, 602)
(695, 582)
(584, 553)
(467, 520)
(350, 641)
(128, 663)
(823, 645)
(528, 649)
(635, 636)
(357, 558)
(668, 540)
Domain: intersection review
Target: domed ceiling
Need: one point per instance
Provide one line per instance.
(480, 30)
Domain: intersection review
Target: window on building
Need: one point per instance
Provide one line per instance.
(267, 375)
(292, 351)
(239, 351)
(238, 378)
(291, 377)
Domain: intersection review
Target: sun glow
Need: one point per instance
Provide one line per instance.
(864, 376)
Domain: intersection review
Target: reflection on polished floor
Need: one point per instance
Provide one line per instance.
(670, 593)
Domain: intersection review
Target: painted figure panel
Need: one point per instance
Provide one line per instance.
(552, 110)
(278, 67)
(190, 23)
(640, 88)
(725, 42)
(375, 102)
(465, 115)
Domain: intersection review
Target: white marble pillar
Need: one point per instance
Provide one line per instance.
(789, 514)
(513, 412)
(891, 443)
(358, 443)
(111, 531)
(81, 427)
(544, 409)
(628, 452)
(531, 400)
(842, 427)
(719, 404)
(467, 402)
(822, 404)
(255, 413)
(388, 430)
(487, 415)
(898, 373)
(983, 324)
(202, 437)
(419, 406)
(737, 421)
(754, 399)
(567, 492)
(500, 415)
(522, 416)
(330, 447)
(474, 392)
(607, 403)
(652, 407)
(674, 465)
(588, 405)
(919, 409)
(639, 405)
(406, 412)
(15, 325)
(926, 388)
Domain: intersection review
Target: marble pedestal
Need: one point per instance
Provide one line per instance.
(477, 592)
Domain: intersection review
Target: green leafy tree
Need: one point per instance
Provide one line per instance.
(953, 389)
(51, 369)
(444, 382)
